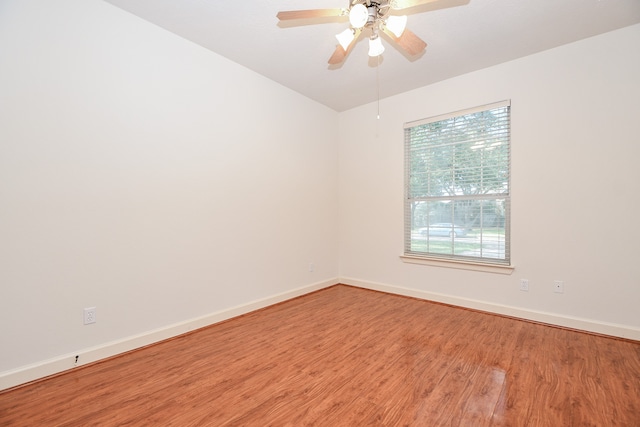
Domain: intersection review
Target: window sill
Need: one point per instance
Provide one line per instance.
(462, 265)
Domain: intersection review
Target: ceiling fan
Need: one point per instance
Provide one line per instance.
(368, 15)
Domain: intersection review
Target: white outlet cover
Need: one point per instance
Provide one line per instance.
(89, 315)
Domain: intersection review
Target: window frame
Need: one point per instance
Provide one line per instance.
(482, 263)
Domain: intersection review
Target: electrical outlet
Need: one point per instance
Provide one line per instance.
(89, 315)
(312, 267)
(558, 286)
(524, 285)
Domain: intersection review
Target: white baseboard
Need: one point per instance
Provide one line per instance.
(611, 329)
(65, 362)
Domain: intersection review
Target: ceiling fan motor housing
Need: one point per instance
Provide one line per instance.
(376, 11)
(372, 15)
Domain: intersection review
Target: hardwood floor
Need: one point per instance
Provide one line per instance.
(345, 356)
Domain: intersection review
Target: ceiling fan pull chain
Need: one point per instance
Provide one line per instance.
(378, 84)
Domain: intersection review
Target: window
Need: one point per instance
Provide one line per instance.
(457, 196)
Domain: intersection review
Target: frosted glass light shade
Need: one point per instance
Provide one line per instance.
(358, 15)
(345, 38)
(396, 24)
(375, 46)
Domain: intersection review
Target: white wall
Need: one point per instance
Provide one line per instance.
(149, 177)
(575, 187)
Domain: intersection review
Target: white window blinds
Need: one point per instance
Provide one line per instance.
(457, 175)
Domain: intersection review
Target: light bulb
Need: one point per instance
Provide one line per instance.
(345, 38)
(375, 46)
(358, 15)
(396, 24)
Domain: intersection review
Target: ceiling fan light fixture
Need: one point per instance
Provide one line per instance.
(396, 24)
(375, 46)
(345, 38)
(370, 15)
(358, 15)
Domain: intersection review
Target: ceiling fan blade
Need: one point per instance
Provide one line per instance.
(340, 54)
(309, 14)
(411, 43)
(404, 4)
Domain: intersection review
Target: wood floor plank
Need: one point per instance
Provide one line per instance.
(346, 356)
(605, 373)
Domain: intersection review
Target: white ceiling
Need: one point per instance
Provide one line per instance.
(462, 36)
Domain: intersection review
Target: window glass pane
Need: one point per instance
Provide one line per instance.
(478, 229)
